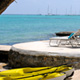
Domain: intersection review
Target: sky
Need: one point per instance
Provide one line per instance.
(44, 7)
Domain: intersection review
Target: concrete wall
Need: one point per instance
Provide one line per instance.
(4, 52)
(17, 59)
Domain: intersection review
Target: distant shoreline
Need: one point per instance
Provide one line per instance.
(41, 14)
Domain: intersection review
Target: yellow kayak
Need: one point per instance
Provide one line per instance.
(37, 73)
(37, 70)
(52, 76)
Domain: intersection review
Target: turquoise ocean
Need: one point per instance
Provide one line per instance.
(26, 28)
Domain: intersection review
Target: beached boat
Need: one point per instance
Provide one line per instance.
(43, 73)
(66, 33)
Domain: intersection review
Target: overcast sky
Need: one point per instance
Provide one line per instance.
(44, 7)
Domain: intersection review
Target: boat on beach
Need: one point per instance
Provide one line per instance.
(37, 73)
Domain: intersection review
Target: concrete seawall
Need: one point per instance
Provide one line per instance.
(4, 52)
(41, 54)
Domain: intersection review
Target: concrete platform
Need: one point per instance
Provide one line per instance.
(5, 47)
(39, 53)
(43, 48)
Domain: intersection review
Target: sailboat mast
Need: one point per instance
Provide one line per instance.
(71, 10)
(48, 10)
(66, 12)
(56, 11)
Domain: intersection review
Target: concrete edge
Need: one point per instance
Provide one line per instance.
(43, 53)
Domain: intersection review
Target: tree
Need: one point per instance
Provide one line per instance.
(4, 4)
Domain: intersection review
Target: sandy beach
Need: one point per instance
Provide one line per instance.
(76, 75)
(2, 66)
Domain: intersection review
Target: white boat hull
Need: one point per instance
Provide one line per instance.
(58, 78)
(69, 72)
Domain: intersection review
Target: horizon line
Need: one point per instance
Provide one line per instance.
(46, 14)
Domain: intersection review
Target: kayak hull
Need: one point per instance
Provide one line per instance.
(39, 77)
(69, 72)
(38, 73)
(58, 78)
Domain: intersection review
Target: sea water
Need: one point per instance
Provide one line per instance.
(25, 28)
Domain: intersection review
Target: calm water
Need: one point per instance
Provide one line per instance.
(24, 28)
